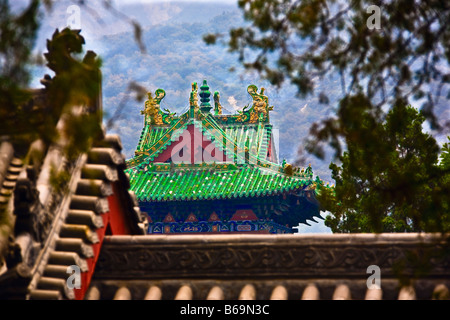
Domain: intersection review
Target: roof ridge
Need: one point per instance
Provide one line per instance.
(140, 157)
(256, 114)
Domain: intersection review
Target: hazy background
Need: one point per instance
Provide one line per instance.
(175, 57)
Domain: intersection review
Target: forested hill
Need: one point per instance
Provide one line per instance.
(177, 56)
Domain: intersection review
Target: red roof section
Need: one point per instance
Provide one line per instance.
(169, 218)
(191, 218)
(244, 214)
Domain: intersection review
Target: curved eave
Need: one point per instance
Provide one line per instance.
(234, 195)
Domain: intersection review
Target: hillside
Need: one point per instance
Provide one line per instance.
(176, 57)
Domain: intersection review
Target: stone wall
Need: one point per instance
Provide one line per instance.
(410, 265)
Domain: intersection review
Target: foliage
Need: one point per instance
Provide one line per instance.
(307, 41)
(17, 36)
(59, 180)
(390, 179)
(76, 84)
(444, 166)
(72, 93)
(28, 114)
(18, 33)
(178, 57)
(445, 156)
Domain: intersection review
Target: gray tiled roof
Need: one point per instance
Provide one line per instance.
(59, 229)
(262, 267)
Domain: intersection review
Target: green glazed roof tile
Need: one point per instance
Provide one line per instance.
(243, 177)
(207, 183)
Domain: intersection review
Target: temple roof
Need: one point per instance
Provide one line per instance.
(155, 139)
(249, 166)
(248, 130)
(203, 156)
(56, 209)
(168, 182)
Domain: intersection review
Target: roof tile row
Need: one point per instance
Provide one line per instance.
(207, 183)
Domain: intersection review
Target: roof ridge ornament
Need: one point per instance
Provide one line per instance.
(159, 95)
(205, 106)
(260, 107)
(152, 109)
(193, 100)
(217, 105)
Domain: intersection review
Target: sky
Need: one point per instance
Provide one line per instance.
(120, 2)
(156, 1)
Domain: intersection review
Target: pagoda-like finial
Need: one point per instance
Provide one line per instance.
(193, 100)
(217, 105)
(205, 106)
